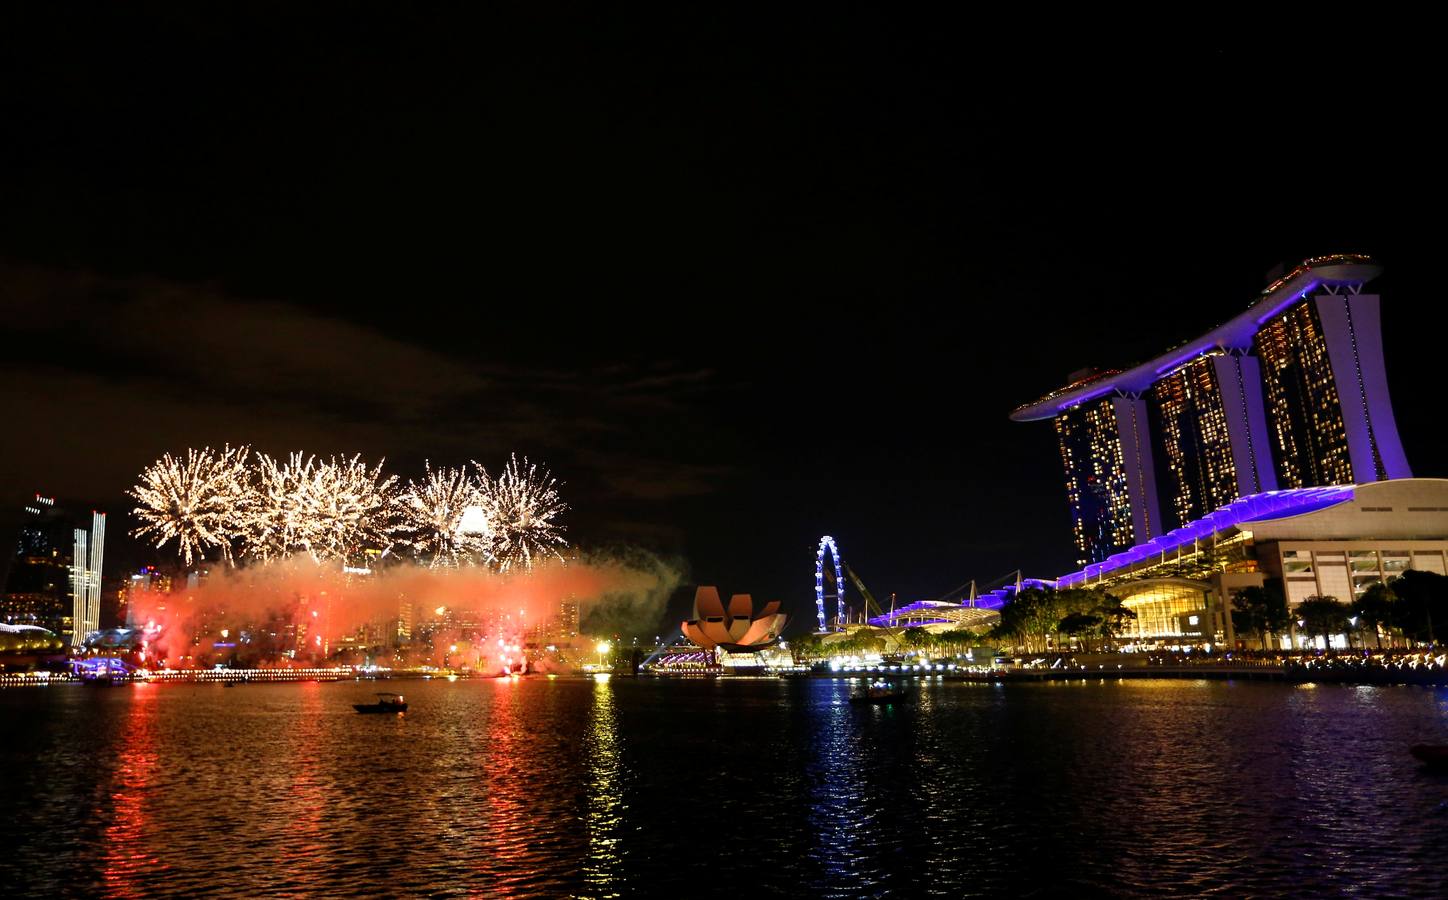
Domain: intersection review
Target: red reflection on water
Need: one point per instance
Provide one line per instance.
(505, 846)
(128, 857)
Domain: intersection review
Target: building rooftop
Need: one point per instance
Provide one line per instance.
(1297, 513)
(1338, 269)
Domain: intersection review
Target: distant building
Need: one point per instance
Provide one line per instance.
(567, 627)
(406, 616)
(54, 579)
(145, 580)
(85, 579)
(1289, 394)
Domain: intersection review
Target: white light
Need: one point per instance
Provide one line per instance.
(474, 521)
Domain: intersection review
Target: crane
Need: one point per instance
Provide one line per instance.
(871, 605)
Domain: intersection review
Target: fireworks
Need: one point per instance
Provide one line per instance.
(340, 508)
(351, 509)
(522, 504)
(276, 524)
(443, 519)
(197, 502)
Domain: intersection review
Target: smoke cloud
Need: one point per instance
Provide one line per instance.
(307, 608)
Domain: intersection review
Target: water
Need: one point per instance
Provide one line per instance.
(590, 788)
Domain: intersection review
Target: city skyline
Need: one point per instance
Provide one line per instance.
(729, 347)
(485, 450)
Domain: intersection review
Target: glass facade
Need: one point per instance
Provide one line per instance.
(1304, 416)
(1324, 570)
(1095, 480)
(1161, 607)
(1195, 450)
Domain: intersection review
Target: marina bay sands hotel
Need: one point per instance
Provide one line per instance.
(1289, 394)
(1263, 449)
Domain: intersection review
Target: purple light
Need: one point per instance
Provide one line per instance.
(1300, 295)
(1087, 397)
(1252, 508)
(1183, 358)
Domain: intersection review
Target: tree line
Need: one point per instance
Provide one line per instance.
(1412, 607)
(1037, 614)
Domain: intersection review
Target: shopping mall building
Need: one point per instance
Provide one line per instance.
(1320, 542)
(1266, 448)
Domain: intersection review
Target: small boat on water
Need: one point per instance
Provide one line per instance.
(880, 692)
(386, 703)
(1434, 756)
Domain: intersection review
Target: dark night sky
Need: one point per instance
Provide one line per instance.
(739, 283)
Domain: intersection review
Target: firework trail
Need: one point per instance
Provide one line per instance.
(279, 519)
(443, 520)
(352, 508)
(523, 505)
(200, 501)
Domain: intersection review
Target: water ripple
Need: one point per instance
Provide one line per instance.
(609, 788)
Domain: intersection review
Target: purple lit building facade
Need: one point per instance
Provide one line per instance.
(1289, 394)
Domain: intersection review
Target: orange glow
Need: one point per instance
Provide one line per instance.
(308, 792)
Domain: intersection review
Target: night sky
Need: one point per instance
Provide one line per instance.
(738, 282)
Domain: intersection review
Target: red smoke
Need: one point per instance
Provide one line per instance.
(307, 609)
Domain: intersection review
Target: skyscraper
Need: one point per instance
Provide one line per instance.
(1210, 434)
(54, 578)
(1290, 393)
(1332, 422)
(85, 579)
(1099, 448)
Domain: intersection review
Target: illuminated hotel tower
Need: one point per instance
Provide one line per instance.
(1332, 421)
(1290, 393)
(1209, 425)
(1109, 480)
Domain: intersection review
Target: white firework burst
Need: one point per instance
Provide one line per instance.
(280, 519)
(336, 509)
(522, 505)
(200, 502)
(443, 519)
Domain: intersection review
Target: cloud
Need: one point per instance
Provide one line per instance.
(109, 372)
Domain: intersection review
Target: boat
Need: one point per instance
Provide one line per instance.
(1434, 756)
(386, 703)
(880, 692)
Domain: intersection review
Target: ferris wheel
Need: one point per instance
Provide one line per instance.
(828, 543)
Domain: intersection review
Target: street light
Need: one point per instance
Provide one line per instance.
(603, 648)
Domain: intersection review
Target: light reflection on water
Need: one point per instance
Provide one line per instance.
(840, 813)
(623, 787)
(605, 795)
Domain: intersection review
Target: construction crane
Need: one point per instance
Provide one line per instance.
(871, 605)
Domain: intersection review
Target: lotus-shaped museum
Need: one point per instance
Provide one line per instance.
(738, 629)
